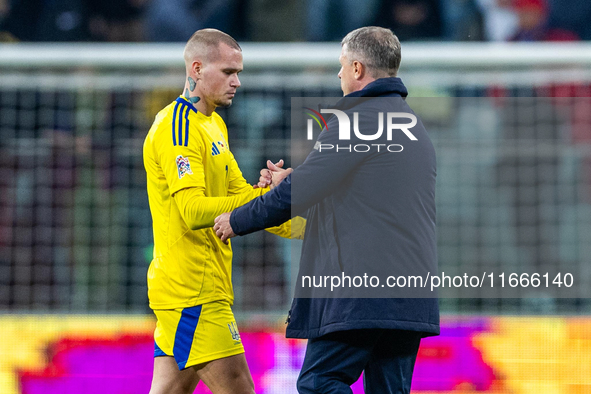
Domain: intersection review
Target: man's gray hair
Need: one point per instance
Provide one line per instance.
(376, 48)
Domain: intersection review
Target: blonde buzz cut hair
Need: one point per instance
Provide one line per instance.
(205, 42)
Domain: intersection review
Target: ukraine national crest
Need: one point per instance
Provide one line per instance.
(183, 165)
(234, 331)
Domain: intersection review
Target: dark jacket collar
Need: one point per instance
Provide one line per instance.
(392, 87)
(383, 87)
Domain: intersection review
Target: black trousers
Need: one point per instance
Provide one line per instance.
(335, 361)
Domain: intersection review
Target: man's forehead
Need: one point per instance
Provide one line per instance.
(342, 57)
(225, 48)
(226, 53)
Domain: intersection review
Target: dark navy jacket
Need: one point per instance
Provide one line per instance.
(363, 210)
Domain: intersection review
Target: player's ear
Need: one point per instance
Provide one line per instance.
(197, 68)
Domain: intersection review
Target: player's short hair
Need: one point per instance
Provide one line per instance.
(207, 40)
(375, 47)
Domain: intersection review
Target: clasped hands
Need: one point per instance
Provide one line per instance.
(270, 177)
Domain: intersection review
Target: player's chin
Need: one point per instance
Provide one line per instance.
(225, 102)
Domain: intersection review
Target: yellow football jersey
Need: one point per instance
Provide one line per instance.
(188, 151)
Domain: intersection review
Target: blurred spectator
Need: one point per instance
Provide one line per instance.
(4, 7)
(4, 10)
(533, 23)
(116, 20)
(500, 19)
(412, 19)
(72, 20)
(47, 20)
(331, 20)
(177, 20)
(462, 20)
(572, 15)
(271, 20)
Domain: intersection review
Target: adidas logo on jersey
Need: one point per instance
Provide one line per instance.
(217, 148)
(214, 149)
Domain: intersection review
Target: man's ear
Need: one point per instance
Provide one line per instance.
(358, 70)
(196, 68)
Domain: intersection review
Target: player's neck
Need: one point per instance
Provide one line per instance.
(194, 98)
(204, 107)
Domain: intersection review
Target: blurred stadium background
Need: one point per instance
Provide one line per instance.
(511, 123)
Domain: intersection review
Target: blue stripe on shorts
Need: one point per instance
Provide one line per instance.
(184, 335)
(157, 351)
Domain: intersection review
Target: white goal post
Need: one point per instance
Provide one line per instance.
(296, 55)
(426, 65)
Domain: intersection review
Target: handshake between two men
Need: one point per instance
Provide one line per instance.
(270, 177)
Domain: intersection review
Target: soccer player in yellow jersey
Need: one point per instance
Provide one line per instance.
(192, 178)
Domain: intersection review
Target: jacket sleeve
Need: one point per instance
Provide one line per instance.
(272, 209)
(238, 185)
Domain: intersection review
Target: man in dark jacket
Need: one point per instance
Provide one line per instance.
(370, 208)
